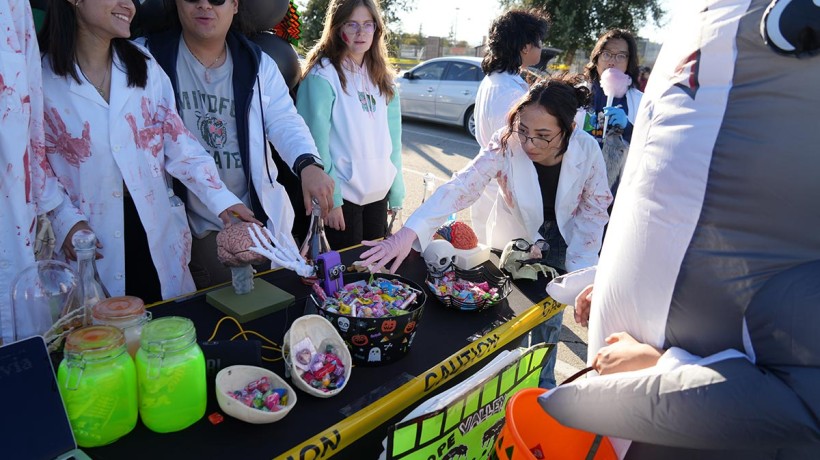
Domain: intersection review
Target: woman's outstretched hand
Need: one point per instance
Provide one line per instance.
(394, 248)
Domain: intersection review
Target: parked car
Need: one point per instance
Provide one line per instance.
(442, 90)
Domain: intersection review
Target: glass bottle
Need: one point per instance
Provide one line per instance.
(170, 375)
(91, 287)
(395, 221)
(429, 181)
(98, 384)
(41, 294)
(126, 313)
(315, 241)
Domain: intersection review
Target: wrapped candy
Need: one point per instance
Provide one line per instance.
(258, 394)
(378, 298)
(326, 371)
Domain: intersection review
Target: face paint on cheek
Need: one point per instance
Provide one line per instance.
(345, 38)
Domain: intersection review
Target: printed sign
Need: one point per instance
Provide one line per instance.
(466, 428)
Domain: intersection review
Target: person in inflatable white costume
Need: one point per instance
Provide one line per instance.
(712, 258)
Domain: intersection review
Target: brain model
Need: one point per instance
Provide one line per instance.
(459, 234)
(232, 245)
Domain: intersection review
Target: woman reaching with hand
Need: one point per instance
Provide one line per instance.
(552, 182)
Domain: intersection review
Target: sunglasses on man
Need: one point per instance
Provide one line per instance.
(212, 2)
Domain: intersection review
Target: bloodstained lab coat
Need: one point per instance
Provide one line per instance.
(95, 147)
(580, 205)
(26, 189)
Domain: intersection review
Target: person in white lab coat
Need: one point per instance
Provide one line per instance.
(112, 137)
(28, 189)
(514, 44)
(553, 187)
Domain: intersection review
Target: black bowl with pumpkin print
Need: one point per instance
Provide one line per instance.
(376, 341)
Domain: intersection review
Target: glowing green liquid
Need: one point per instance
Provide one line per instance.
(103, 407)
(175, 397)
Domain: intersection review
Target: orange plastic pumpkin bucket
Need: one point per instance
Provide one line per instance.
(530, 433)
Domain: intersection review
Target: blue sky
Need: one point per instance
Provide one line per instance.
(472, 18)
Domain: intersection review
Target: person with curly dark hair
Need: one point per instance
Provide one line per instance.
(553, 187)
(514, 44)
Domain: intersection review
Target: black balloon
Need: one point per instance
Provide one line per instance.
(264, 14)
(285, 56)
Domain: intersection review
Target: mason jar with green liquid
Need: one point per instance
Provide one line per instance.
(170, 375)
(98, 384)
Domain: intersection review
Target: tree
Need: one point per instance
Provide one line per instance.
(577, 24)
(313, 19)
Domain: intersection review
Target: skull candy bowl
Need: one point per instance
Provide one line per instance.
(471, 290)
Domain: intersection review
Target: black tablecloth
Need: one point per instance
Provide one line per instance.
(441, 333)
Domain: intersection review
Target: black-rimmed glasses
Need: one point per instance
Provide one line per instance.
(619, 57)
(537, 142)
(212, 2)
(523, 245)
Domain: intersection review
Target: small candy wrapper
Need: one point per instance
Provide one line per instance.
(302, 353)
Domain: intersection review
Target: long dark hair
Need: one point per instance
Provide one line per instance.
(591, 69)
(560, 96)
(332, 47)
(58, 41)
(509, 34)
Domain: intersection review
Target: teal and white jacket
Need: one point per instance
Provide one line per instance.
(357, 132)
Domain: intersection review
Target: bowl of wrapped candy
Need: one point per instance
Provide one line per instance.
(316, 357)
(253, 394)
(469, 290)
(377, 316)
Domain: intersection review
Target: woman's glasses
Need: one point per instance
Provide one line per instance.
(521, 244)
(353, 27)
(212, 2)
(537, 142)
(619, 57)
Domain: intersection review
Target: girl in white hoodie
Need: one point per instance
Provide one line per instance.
(348, 101)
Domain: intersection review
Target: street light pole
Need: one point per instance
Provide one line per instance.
(455, 29)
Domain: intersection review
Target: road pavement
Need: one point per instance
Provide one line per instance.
(442, 150)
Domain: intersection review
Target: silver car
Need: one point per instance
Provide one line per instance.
(442, 90)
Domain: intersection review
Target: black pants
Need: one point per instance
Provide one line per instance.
(367, 222)
(141, 279)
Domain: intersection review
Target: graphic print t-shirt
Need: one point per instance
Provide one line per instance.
(208, 110)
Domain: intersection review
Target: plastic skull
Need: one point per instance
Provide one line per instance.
(439, 256)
